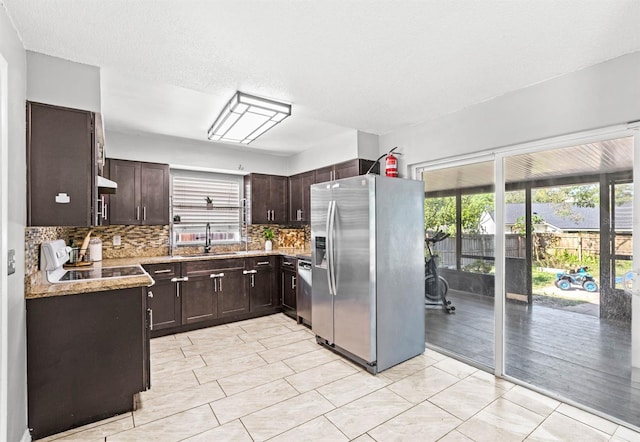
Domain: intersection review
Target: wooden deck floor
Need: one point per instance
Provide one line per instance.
(577, 356)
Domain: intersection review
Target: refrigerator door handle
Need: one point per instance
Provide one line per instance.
(328, 230)
(331, 251)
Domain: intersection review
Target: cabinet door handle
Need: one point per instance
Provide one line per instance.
(150, 318)
(263, 263)
(137, 213)
(249, 272)
(150, 294)
(299, 215)
(186, 278)
(216, 275)
(268, 215)
(293, 282)
(144, 213)
(215, 284)
(158, 272)
(220, 281)
(287, 263)
(177, 290)
(253, 280)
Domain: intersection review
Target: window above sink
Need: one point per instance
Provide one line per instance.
(201, 198)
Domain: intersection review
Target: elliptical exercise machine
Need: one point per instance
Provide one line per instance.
(435, 286)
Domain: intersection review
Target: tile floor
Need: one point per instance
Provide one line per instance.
(267, 379)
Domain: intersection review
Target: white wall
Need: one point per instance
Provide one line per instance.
(332, 150)
(368, 146)
(16, 399)
(62, 82)
(184, 152)
(601, 95)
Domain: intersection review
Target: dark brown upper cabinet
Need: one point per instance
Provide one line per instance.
(61, 166)
(345, 170)
(267, 196)
(142, 197)
(300, 197)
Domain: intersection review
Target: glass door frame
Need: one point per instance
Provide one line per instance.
(498, 156)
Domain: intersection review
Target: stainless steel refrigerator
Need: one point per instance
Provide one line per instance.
(367, 244)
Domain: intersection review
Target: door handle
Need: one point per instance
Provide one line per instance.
(253, 280)
(263, 263)
(216, 275)
(158, 272)
(150, 294)
(137, 213)
(293, 282)
(150, 318)
(144, 213)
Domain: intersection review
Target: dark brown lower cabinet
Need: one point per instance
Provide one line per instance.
(164, 297)
(87, 356)
(261, 283)
(288, 284)
(232, 296)
(199, 300)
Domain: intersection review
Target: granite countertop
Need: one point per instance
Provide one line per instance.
(41, 288)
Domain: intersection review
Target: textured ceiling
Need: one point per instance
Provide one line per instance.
(376, 66)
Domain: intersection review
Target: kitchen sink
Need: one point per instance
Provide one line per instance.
(199, 255)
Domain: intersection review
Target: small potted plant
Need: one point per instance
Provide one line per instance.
(268, 236)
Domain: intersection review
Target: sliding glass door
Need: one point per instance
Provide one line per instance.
(536, 255)
(460, 226)
(567, 329)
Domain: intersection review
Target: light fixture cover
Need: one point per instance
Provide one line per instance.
(246, 117)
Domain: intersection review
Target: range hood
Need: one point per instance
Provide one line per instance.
(105, 185)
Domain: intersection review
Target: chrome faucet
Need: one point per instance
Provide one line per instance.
(207, 239)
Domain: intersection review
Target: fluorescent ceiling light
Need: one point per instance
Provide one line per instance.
(246, 117)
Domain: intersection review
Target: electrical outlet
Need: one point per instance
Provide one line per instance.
(116, 240)
(11, 262)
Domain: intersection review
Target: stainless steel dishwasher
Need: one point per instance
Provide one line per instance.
(303, 301)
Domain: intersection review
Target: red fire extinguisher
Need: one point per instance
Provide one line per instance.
(391, 164)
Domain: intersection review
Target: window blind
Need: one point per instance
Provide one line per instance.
(201, 198)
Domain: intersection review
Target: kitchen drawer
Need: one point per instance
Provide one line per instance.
(260, 261)
(288, 262)
(161, 272)
(198, 268)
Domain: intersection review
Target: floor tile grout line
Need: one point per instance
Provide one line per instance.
(171, 415)
(382, 423)
(584, 423)
(527, 408)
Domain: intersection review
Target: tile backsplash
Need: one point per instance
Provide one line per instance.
(144, 241)
(135, 241)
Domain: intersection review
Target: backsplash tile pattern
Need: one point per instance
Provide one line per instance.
(144, 241)
(285, 238)
(134, 240)
(290, 239)
(33, 237)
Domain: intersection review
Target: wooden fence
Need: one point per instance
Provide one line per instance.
(575, 244)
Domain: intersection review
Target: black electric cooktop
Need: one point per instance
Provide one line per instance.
(99, 273)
